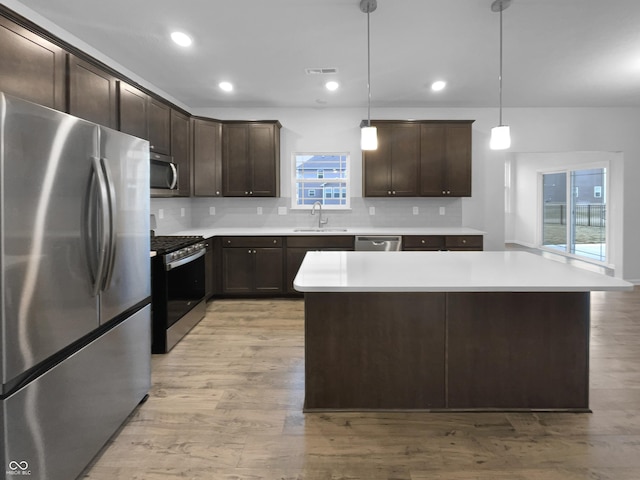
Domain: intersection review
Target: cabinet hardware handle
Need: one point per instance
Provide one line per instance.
(249, 251)
(250, 193)
(246, 193)
(275, 241)
(394, 192)
(389, 192)
(443, 192)
(217, 192)
(254, 251)
(422, 241)
(464, 241)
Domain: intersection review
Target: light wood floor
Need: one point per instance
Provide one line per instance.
(226, 403)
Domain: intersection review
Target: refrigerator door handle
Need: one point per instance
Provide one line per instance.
(102, 239)
(112, 222)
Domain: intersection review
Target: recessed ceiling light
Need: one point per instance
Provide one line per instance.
(439, 85)
(181, 39)
(332, 86)
(226, 86)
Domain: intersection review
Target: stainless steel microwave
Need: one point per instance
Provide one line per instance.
(163, 173)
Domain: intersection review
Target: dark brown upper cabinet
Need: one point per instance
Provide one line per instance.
(181, 150)
(32, 68)
(251, 159)
(159, 124)
(393, 169)
(133, 111)
(207, 161)
(145, 117)
(445, 159)
(92, 93)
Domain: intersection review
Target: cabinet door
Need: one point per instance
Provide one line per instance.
(263, 164)
(432, 160)
(268, 270)
(32, 67)
(235, 160)
(237, 270)
(458, 168)
(207, 164)
(92, 93)
(181, 151)
(159, 121)
(376, 165)
(133, 111)
(405, 160)
(392, 169)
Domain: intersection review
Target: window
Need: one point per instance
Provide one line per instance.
(575, 224)
(320, 177)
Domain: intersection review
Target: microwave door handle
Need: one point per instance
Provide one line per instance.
(102, 239)
(112, 213)
(174, 176)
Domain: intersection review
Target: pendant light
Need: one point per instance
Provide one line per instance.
(500, 135)
(368, 134)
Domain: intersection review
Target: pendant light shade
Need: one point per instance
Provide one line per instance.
(369, 138)
(500, 135)
(368, 134)
(500, 138)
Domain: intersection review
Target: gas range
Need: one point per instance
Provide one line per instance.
(174, 247)
(177, 288)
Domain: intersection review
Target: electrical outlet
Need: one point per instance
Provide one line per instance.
(442, 211)
(161, 213)
(372, 210)
(212, 210)
(282, 210)
(182, 212)
(416, 211)
(259, 210)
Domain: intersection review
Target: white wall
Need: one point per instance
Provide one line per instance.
(534, 130)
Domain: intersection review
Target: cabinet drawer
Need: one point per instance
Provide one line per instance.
(464, 241)
(252, 242)
(423, 241)
(321, 241)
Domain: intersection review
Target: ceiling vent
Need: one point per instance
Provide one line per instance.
(320, 71)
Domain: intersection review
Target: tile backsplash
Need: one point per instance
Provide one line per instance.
(176, 214)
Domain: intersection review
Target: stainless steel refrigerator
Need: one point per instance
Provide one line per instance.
(75, 287)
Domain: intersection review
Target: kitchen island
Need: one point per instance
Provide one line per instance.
(446, 331)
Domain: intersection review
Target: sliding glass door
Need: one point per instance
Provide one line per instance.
(574, 212)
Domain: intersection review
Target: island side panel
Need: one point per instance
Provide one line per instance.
(374, 351)
(518, 350)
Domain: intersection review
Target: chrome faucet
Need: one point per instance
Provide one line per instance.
(313, 212)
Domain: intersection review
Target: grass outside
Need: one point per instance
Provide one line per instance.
(555, 234)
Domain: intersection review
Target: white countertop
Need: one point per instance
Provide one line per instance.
(294, 231)
(508, 271)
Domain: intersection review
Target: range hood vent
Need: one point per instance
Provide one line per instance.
(320, 71)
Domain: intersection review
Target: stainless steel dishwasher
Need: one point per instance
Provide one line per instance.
(386, 243)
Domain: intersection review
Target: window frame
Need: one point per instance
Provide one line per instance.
(343, 188)
(568, 170)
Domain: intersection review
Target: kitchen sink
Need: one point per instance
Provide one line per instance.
(319, 229)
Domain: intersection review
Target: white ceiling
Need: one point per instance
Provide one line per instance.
(557, 53)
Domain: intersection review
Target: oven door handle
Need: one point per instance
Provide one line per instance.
(178, 263)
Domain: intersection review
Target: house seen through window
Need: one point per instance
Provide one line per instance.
(321, 177)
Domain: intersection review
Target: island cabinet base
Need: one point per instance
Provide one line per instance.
(447, 351)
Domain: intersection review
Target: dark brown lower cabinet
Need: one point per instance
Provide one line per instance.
(447, 351)
(249, 267)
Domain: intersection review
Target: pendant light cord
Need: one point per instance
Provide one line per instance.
(368, 70)
(500, 76)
